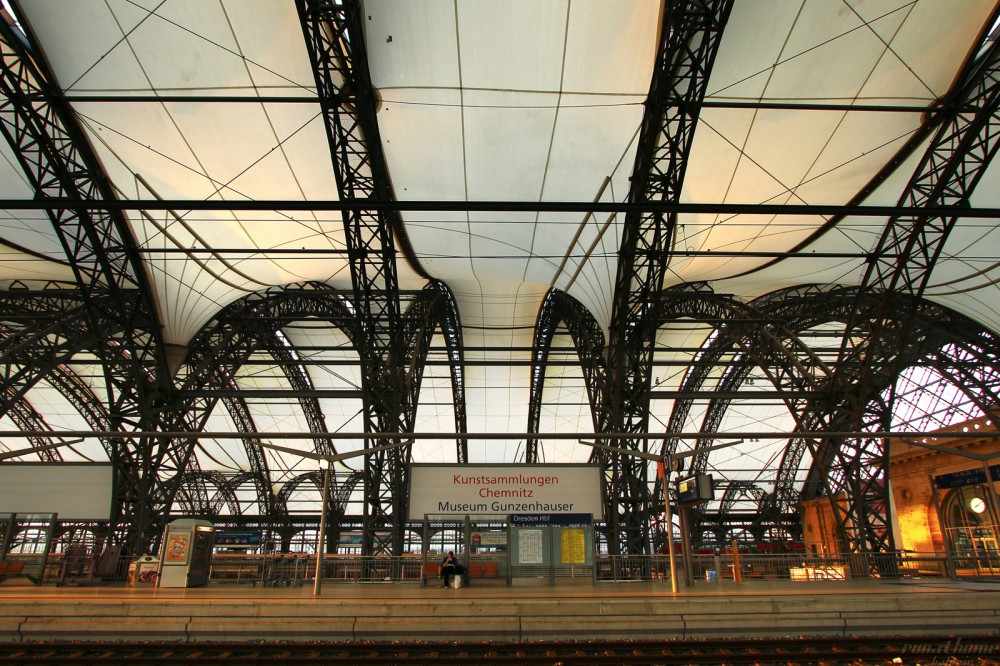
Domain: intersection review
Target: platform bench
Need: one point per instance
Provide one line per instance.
(11, 568)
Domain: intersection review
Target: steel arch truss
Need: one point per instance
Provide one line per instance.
(239, 412)
(250, 325)
(43, 329)
(878, 334)
(28, 419)
(334, 35)
(56, 158)
(690, 37)
(765, 335)
(434, 310)
(559, 308)
(745, 339)
(88, 405)
(342, 485)
(253, 325)
(940, 329)
(194, 500)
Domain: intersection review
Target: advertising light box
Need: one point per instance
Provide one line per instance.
(505, 489)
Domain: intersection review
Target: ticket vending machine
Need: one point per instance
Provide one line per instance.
(186, 553)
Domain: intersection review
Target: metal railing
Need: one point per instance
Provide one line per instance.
(297, 569)
(623, 568)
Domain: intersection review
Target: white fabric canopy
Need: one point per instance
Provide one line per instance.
(520, 101)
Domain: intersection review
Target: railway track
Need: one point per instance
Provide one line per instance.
(952, 650)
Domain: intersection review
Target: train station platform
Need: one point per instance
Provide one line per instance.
(409, 613)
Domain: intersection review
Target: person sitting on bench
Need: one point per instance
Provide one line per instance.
(450, 567)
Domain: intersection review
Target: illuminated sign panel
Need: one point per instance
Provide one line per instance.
(695, 489)
(505, 489)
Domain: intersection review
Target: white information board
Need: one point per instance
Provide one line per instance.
(505, 489)
(530, 547)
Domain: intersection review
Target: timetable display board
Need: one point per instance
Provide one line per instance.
(573, 545)
(552, 539)
(531, 546)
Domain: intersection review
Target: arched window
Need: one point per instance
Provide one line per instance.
(968, 520)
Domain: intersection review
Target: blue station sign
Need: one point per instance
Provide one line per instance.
(538, 519)
(967, 477)
(237, 539)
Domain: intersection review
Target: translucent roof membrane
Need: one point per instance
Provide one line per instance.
(519, 101)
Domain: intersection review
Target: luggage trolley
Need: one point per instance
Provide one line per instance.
(283, 570)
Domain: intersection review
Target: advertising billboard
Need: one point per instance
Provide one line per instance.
(75, 491)
(505, 489)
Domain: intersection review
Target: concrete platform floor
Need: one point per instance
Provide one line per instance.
(355, 612)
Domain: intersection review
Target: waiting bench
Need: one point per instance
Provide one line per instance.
(484, 570)
(11, 568)
(432, 570)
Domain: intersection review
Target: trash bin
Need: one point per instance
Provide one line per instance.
(710, 576)
(143, 572)
(456, 582)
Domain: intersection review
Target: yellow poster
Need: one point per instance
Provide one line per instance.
(573, 546)
(177, 548)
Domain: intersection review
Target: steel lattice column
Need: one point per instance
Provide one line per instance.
(335, 40)
(58, 161)
(691, 34)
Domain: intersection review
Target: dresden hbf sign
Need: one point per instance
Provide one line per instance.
(504, 489)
